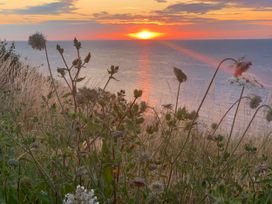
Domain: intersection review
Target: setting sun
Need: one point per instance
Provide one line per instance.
(145, 35)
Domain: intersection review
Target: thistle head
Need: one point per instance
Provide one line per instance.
(255, 101)
(37, 41)
(60, 49)
(181, 76)
(77, 44)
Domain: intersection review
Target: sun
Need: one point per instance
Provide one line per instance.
(145, 35)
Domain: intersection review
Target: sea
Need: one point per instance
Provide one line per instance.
(148, 65)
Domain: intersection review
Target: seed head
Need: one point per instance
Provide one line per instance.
(37, 41)
(87, 58)
(214, 126)
(269, 115)
(181, 76)
(255, 101)
(138, 93)
(60, 49)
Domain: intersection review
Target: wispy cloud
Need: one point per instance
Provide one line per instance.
(161, 1)
(64, 6)
(192, 8)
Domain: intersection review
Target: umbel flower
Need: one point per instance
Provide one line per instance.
(81, 196)
(37, 41)
(247, 80)
(255, 101)
(157, 187)
(241, 77)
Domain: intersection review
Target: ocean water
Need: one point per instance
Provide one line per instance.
(148, 65)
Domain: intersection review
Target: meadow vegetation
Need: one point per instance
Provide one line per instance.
(57, 137)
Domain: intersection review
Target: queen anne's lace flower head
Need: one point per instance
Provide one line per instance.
(247, 80)
(37, 41)
(81, 196)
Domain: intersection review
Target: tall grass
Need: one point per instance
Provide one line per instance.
(121, 150)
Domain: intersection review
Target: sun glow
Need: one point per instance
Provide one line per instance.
(145, 35)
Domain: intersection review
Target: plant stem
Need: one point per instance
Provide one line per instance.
(200, 106)
(234, 119)
(226, 113)
(177, 99)
(248, 126)
(105, 86)
(52, 78)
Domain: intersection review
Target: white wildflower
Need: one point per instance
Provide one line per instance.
(81, 196)
(247, 80)
(157, 187)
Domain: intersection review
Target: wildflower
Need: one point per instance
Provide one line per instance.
(144, 157)
(77, 44)
(241, 67)
(81, 196)
(255, 101)
(261, 168)
(139, 182)
(117, 134)
(81, 171)
(86, 95)
(269, 115)
(247, 80)
(152, 167)
(138, 93)
(214, 126)
(181, 77)
(143, 106)
(37, 41)
(157, 187)
(113, 70)
(60, 49)
(13, 162)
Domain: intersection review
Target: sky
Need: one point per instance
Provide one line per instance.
(115, 19)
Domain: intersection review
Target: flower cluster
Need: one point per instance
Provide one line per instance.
(81, 196)
(247, 80)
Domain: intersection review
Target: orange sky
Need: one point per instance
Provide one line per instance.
(115, 19)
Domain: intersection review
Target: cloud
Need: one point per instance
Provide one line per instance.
(192, 8)
(64, 6)
(161, 1)
(159, 18)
